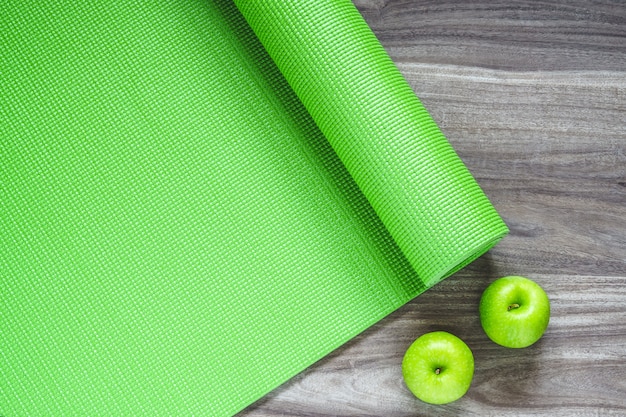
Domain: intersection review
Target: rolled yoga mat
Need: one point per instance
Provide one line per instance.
(191, 214)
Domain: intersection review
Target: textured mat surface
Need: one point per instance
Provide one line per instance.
(185, 222)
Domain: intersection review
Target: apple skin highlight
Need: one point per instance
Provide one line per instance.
(514, 311)
(438, 368)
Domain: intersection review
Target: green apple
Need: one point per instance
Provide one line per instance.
(438, 368)
(514, 311)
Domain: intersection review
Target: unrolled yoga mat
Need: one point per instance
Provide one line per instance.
(196, 205)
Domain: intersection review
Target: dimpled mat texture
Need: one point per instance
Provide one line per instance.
(199, 201)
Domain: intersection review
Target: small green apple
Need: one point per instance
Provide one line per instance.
(514, 311)
(438, 368)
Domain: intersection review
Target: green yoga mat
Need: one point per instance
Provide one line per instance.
(199, 201)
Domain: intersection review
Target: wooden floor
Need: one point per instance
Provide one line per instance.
(532, 94)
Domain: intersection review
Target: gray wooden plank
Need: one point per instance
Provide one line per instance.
(577, 368)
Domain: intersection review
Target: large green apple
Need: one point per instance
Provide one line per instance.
(514, 311)
(438, 368)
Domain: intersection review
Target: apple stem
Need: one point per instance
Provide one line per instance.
(437, 371)
(513, 306)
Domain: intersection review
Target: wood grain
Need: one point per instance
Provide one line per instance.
(533, 97)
